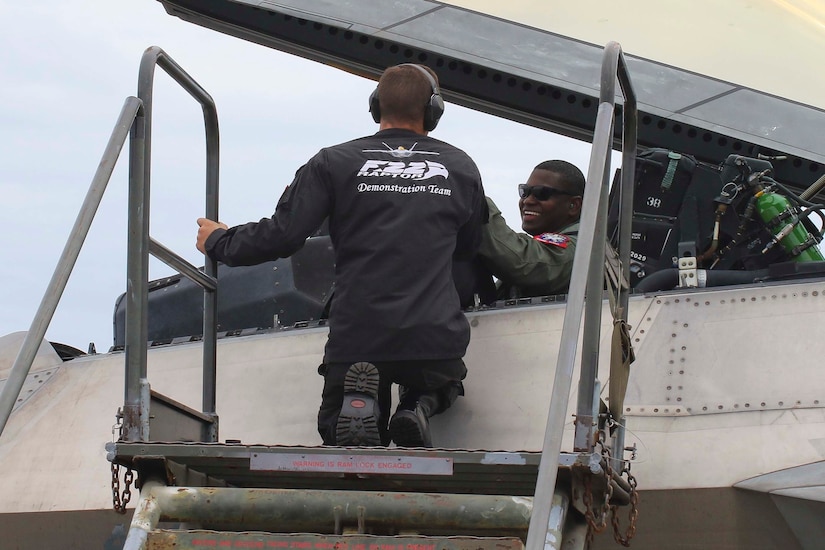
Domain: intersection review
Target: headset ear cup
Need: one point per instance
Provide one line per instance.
(375, 107)
(433, 112)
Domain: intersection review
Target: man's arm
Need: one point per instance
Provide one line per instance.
(469, 236)
(521, 260)
(205, 228)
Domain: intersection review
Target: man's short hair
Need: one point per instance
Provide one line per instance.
(571, 176)
(403, 92)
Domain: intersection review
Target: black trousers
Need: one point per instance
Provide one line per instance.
(441, 377)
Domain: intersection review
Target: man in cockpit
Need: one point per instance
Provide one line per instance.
(540, 261)
(402, 207)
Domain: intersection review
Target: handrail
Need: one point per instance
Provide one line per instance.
(182, 266)
(613, 67)
(586, 280)
(140, 245)
(629, 151)
(57, 284)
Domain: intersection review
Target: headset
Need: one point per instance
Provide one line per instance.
(432, 110)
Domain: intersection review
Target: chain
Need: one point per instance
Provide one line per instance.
(594, 525)
(119, 502)
(633, 515)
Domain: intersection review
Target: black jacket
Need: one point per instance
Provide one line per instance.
(401, 206)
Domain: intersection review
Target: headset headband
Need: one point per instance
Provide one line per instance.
(433, 109)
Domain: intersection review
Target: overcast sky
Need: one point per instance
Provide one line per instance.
(66, 68)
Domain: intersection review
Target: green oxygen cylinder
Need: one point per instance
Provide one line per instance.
(775, 210)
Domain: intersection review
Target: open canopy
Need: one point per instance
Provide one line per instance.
(533, 62)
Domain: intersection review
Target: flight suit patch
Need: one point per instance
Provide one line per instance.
(555, 239)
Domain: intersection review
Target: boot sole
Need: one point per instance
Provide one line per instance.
(357, 422)
(406, 430)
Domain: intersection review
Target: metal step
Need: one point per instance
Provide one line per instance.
(249, 496)
(338, 468)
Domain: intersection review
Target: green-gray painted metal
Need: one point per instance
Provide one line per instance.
(200, 538)
(146, 517)
(57, 284)
(181, 540)
(136, 400)
(321, 511)
(592, 279)
(171, 420)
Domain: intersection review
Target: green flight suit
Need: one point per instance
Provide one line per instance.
(524, 265)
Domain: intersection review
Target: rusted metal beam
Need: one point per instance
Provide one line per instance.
(146, 516)
(291, 510)
(177, 540)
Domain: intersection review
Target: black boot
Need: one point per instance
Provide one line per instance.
(409, 426)
(359, 416)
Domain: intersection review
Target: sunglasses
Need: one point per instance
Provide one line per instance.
(541, 192)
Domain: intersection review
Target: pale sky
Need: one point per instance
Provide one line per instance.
(66, 68)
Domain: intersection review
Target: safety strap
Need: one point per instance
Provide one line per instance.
(670, 173)
(621, 355)
(614, 277)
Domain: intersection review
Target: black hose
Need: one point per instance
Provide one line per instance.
(668, 279)
(788, 193)
(664, 279)
(724, 277)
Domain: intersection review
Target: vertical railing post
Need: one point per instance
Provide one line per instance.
(135, 120)
(587, 276)
(136, 406)
(210, 299)
(135, 410)
(586, 408)
(629, 151)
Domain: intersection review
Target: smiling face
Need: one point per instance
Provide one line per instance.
(553, 214)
